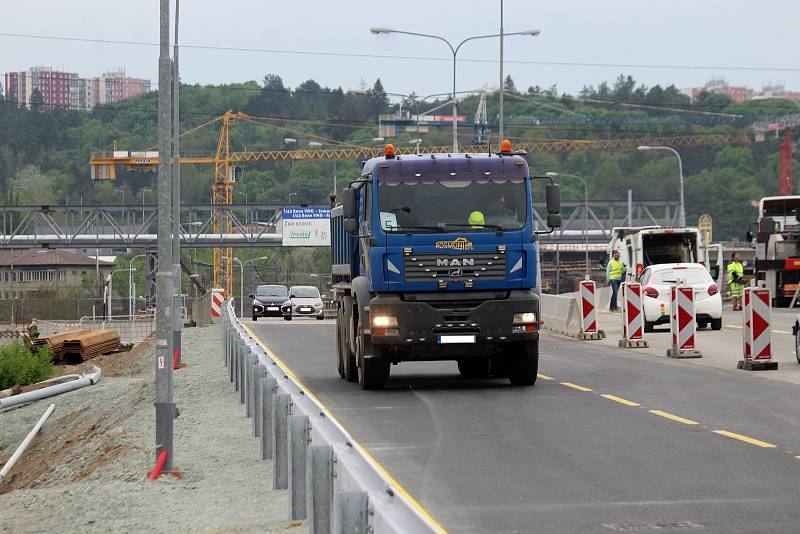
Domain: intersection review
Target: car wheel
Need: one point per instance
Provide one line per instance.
(702, 324)
(287, 317)
(255, 318)
(716, 324)
(648, 326)
(320, 317)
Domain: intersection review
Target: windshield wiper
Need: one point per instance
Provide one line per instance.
(496, 227)
(403, 228)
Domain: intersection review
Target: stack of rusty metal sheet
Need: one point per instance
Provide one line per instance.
(90, 345)
(56, 341)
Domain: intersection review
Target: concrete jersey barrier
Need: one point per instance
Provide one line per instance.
(562, 313)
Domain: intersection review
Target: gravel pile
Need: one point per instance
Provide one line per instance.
(86, 471)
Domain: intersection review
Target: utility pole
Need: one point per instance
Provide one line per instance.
(502, 81)
(165, 407)
(176, 198)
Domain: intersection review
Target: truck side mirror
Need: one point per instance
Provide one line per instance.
(349, 209)
(553, 198)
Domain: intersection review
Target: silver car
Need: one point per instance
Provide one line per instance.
(303, 301)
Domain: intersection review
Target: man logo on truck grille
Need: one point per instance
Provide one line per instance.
(460, 243)
(455, 262)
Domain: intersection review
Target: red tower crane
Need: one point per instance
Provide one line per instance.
(785, 178)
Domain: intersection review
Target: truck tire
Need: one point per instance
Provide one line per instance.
(797, 342)
(473, 368)
(523, 363)
(373, 372)
(716, 324)
(498, 366)
(339, 345)
(350, 366)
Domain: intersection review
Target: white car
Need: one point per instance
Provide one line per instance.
(656, 282)
(303, 301)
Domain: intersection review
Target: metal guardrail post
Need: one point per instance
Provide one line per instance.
(319, 489)
(298, 438)
(231, 363)
(236, 366)
(352, 512)
(268, 388)
(280, 413)
(250, 374)
(242, 371)
(258, 381)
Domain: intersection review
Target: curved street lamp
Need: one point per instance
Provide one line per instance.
(454, 50)
(680, 170)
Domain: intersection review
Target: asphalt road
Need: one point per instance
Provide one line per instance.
(613, 442)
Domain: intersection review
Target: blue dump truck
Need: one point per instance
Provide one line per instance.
(434, 257)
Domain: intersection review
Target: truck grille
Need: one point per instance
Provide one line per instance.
(475, 266)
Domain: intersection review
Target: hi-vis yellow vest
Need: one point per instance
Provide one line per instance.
(615, 273)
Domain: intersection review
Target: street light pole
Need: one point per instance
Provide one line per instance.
(454, 50)
(680, 171)
(176, 198)
(164, 405)
(131, 294)
(585, 214)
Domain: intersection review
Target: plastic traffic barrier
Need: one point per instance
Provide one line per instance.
(217, 299)
(632, 316)
(683, 323)
(588, 310)
(756, 336)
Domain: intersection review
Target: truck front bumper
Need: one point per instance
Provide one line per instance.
(478, 320)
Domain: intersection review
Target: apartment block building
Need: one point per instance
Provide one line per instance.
(26, 272)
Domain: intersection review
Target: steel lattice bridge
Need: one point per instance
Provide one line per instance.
(259, 225)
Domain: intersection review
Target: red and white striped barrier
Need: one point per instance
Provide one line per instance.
(588, 309)
(632, 316)
(217, 300)
(683, 323)
(757, 338)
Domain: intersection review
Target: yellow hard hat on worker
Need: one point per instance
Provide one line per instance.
(476, 219)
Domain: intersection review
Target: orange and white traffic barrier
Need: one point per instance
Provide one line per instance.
(588, 309)
(757, 339)
(683, 323)
(632, 316)
(217, 299)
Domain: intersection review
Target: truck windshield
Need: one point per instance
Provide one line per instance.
(452, 206)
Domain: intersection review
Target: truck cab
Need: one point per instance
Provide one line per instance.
(434, 258)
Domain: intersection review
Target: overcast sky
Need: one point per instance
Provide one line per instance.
(705, 33)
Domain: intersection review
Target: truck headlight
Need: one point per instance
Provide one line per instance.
(384, 321)
(525, 318)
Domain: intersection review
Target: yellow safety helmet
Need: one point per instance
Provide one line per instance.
(476, 218)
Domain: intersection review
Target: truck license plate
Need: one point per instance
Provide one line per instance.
(455, 338)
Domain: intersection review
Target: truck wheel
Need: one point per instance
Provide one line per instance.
(473, 368)
(373, 372)
(797, 343)
(339, 345)
(350, 366)
(716, 324)
(523, 363)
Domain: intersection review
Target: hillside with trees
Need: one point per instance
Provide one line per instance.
(44, 153)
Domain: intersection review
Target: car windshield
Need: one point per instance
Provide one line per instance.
(452, 206)
(689, 276)
(305, 292)
(271, 291)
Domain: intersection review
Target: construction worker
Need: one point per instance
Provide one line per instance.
(615, 273)
(476, 219)
(736, 281)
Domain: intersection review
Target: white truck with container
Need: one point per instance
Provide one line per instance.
(642, 246)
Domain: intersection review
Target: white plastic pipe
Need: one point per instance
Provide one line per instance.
(91, 376)
(26, 442)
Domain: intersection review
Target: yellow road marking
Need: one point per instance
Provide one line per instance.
(544, 377)
(673, 417)
(798, 457)
(395, 484)
(575, 386)
(734, 326)
(774, 330)
(746, 439)
(620, 400)
(781, 332)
